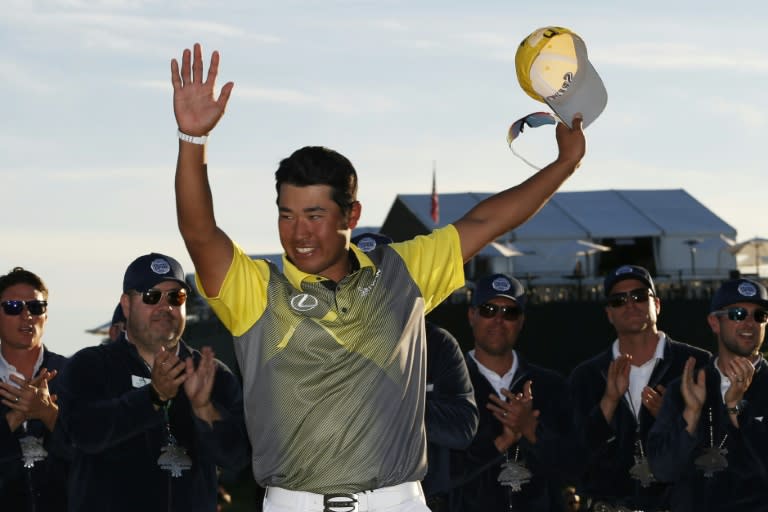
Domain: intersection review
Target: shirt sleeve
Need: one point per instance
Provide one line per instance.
(226, 441)
(243, 295)
(435, 264)
(670, 447)
(451, 413)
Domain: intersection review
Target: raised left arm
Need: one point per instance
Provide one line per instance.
(506, 210)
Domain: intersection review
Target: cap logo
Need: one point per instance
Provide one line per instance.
(747, 290)
(366, 244)
(160, 266)
(501, 284)
(624, 270)
(534, 38)
(304, 302)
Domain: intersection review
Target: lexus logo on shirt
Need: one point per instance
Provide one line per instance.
(304, 302)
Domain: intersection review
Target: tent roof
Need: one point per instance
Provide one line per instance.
(593, 214)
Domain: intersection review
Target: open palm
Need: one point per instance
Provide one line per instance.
(196, 109)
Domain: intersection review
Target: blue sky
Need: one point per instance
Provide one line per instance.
(88, 135)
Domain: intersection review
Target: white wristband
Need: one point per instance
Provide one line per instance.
(191, 138)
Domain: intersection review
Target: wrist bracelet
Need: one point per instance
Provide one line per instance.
(191, 138)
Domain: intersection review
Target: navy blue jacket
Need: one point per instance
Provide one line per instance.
(118, 435)
(549, 460)
(451, 413)
(743, 485)
(46, 481)
(608, 449)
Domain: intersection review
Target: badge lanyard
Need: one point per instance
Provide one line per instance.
(641, 470)
(32, 449)
(713, 458)
(173, 457)
(513, 475)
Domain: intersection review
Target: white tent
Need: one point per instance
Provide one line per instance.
(655, 224)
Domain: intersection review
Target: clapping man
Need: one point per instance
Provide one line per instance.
(711, 437)
(34, 457)
(151, 418)
(617, 395)
(522, 454)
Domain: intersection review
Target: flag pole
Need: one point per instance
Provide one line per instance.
(434, 211)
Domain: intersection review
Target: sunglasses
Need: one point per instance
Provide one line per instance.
(174, 297)
(533, 120)
(509, 313)
(15, 307)
(638, 295)
(741, 314)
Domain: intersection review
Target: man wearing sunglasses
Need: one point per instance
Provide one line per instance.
(617, 396)
(151, 418)
(711, 436)
(520, 458)
(34, 455)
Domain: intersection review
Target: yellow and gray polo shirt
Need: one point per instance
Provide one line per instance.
(334, 377)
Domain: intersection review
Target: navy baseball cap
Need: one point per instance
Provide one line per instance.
(499, 285)
(628, 272)
(739, 290)
(148, 270)
(367, 242)
(118, 315)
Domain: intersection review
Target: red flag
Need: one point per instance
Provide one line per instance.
(434, 211)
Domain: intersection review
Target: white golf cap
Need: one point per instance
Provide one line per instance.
(552, 67)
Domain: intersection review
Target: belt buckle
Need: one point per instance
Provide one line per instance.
(340, 502)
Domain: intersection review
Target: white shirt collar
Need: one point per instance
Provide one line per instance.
(658, 354)
(7, 369)
(640, 376)
(498, 382)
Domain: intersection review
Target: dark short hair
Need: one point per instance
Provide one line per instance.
(317, 165)
(20, 276)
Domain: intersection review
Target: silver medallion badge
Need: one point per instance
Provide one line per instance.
(32, 450)
(174, 458)
(514, 474)
(642, 471)
(712, 460)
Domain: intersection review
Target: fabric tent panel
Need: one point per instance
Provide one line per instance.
(678, 213)
(606, 214)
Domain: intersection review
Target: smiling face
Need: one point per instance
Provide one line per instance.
(740, 338)
(314, 232)
(23, 331)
